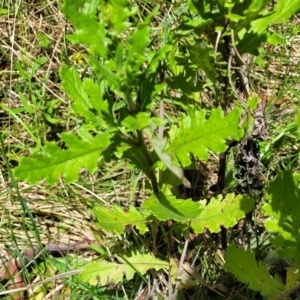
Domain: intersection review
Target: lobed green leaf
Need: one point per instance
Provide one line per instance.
(102, 272)
(169, 207)
(198, 135)
(138, 121)
(246, 269)
(86, 97)
(218, 212)
(89, 30)
(284, 9)
(54, 163)
(224, 212)
(282, 209)
(115, 219)
(201, 55)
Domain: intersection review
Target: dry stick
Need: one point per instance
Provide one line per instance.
(161, 116)
(170, 289)
(186, 243)
(92, 193)
(235, 49)
(217, 44)
(180, 267)
(289, 291)
(32, 254)
(229, 76)
(193, 273)
(54, 292)
(243, 78)
(245, 82)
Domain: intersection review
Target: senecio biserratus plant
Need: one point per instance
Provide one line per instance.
(141, 63)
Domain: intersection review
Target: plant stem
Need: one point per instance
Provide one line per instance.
(151, 173)
(150, 162)
(130, 103)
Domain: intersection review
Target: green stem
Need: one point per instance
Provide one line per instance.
(130, 103)
(149, 161)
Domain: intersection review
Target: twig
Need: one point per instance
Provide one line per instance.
(193, 273)
(242, 76)
(186, 243)
(289, 291)
(92, 193)
(217, 44)
(229, 76)
(161, 104)
(180, 267)
(161, 116)
(235, 49)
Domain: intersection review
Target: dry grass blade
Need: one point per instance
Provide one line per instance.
(60, 276)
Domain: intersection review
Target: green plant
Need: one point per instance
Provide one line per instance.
(123, 111)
